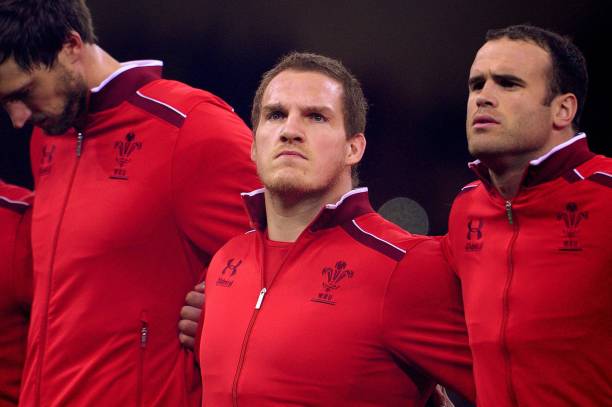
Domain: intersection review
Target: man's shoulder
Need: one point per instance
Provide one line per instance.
(181, 97)
(15, 197)
(470, 188)
(598, 170)
(384, 236)
(242, 241)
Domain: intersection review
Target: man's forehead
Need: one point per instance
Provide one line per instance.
(506, 56)
(309, 87)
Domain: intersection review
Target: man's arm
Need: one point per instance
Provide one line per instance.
(423, 318)
(211, 168)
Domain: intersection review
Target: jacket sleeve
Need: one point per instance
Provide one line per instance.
(423, 320)
(211, 167)
(22, 261)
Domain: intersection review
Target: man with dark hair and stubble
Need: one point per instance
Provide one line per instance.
(325, 303)
(530, 240)
(137, 185)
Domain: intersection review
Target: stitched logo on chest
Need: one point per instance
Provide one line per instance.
(46, 159)
(331, 279)
(125, 149)
(571, 219)
(226, 277)
(474, 235)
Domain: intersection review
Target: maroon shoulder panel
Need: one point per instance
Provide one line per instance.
(601, 178)
(372, 242)
(157, 109)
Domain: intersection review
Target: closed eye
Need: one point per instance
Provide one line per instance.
(18, 96)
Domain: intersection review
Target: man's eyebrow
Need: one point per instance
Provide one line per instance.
(272, 107)
(479, 77)
(508, 78)
(318, 108)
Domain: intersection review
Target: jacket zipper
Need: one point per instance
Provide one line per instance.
(256, 310)
(245, 342)
(144, 338)
(43, 329)
(506, 303)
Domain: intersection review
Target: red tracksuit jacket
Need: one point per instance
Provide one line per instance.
(128, 212)
(360, 313)
(15, 287)
(536, 273)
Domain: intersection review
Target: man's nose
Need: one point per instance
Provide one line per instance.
(19, 113)
(487, 96)
(293, 130)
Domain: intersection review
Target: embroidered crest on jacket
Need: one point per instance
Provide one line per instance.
(571, 218)
(331, 282)
(125, 149)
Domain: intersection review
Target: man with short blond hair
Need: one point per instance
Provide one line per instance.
(325, 302)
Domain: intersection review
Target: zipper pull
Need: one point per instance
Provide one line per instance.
(262, 293)
(79, 145)
(509, 211)
(144, 334)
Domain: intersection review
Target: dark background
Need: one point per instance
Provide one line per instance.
(411, 57)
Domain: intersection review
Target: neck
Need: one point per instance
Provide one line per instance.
(507, 172)
(509, 181)
(288, 215)
(97, 65)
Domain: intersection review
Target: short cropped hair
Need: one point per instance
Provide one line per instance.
(354, 104)
(569, 70)
(34, 31)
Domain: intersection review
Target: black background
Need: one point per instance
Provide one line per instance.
(411, 57)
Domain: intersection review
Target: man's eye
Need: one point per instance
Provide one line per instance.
(18, 96)
(276, 115)
(317, 117)
(475, 85)
(507, 83)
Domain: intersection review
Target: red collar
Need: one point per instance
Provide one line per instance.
(555, 163)
(351, 205)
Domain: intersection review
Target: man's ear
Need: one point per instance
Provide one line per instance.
(72, 49)
(564, 108)
(253, 149)
(355, 148)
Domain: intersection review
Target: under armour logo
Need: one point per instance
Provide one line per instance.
(474, 235)
(228, 272)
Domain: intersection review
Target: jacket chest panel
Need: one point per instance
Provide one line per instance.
(115, 194)
(544, 266)
(319, 318)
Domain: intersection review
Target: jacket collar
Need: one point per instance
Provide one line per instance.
(123, 83)
(559, 160)
(351, 205)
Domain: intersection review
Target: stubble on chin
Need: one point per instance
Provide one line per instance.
(75, 93)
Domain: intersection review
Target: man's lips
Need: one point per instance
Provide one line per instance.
(482, 121)
(290, 153)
